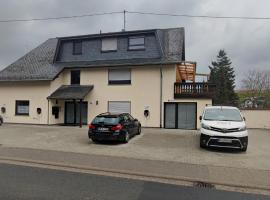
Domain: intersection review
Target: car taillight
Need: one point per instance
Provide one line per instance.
(117, 127)
(91, 126)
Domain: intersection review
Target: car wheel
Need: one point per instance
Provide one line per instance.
(139, 130)
(244, 149)
(94, 140)
(126, 137)
(202, 145)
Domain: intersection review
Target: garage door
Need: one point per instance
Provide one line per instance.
(119, 106)
(180, 115)
(170, 118)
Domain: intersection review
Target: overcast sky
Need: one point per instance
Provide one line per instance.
(247, 42)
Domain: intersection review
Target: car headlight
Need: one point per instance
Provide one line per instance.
(206, 126)
(242, 128)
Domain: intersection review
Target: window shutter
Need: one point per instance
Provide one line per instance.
(109, 44)
(119, 76)
(119, 106)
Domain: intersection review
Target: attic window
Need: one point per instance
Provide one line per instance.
(109, 44)
(77, 47)
(136, 43)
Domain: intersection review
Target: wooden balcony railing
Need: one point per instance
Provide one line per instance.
(193, 90)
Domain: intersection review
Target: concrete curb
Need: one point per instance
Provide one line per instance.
(133, 173)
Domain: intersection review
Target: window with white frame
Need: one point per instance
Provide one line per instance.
(119, 76)
(136, 43)
(109, 44)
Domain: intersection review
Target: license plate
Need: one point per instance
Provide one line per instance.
(103, 129)
(223, 140)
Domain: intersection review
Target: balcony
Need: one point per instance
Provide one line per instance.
(193, 90)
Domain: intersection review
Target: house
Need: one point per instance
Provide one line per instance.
(69, 80)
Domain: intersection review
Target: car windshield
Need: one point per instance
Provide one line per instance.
(219, 114)
(106, 120)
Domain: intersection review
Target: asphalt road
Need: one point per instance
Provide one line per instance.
(20, 182)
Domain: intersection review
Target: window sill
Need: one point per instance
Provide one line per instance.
(141, 49)
(17, 114)
(119, 83)
(108, 51)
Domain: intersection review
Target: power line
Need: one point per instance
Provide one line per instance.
(135, 12)
(200, 16)
(59, 18)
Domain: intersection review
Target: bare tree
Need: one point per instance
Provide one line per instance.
(257, 82)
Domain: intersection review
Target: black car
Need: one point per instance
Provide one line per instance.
(110, 126)
(1, 120)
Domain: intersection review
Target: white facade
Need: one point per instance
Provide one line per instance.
(144, 92)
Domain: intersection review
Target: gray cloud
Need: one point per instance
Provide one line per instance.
(246, 42)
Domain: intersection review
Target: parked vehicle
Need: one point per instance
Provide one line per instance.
(111, 126)
(1, 120)
(223, 126)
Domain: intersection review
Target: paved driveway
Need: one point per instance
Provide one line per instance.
(152, 144)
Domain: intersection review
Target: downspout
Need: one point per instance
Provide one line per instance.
(161, 94)
(48, 116)
(161, 78)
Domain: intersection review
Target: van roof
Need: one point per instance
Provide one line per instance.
(221, 107)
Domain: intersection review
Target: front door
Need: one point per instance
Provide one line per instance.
(72, 112)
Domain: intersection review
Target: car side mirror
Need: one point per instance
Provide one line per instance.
(136, 120)
(200, 118)
(244, 118)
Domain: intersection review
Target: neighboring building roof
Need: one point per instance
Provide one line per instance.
(69, 92)
(42, 62)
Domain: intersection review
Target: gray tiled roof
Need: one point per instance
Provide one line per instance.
(39, 64)
(35, 65)
(71, 92)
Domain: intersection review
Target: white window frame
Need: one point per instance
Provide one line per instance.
(118, 81)
(139, 46)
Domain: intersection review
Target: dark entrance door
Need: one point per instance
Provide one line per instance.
(72, 112)
(180, 115)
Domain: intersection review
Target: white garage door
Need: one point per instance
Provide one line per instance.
(119, 106)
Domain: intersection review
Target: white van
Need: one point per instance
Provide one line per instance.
(223, 126)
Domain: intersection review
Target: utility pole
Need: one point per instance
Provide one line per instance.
(124, 20)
